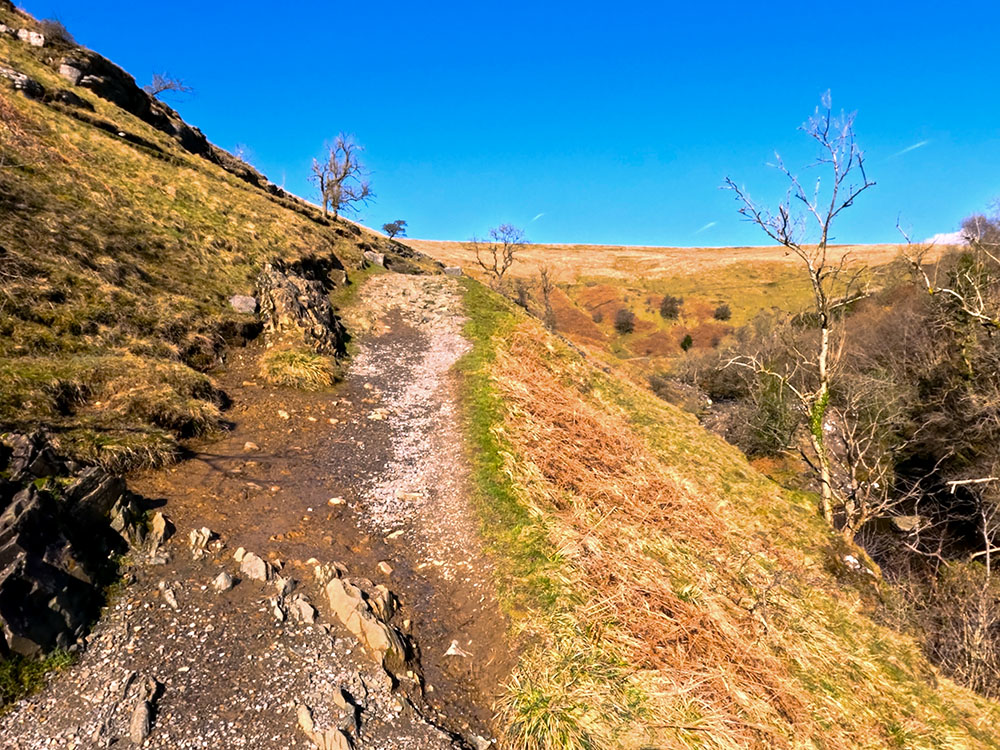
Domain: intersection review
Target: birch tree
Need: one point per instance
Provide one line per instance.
(842, 179)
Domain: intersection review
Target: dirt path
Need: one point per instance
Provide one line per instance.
(372, 477)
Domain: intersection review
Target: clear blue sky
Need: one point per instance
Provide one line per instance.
(582, 122)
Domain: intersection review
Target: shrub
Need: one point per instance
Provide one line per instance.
(687, 342)
(670, 307)
(722, 312)
(54, 31)
(624, 321)
(298, 369)
(597, 316)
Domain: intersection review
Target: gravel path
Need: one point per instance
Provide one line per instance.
(372, 476)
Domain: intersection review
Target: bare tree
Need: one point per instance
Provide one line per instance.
(496, 254)
(842, 159)
(395, 228)
(341, 178)
(163, 83)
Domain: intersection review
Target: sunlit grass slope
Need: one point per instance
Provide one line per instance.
(665, 593)
(118, 253)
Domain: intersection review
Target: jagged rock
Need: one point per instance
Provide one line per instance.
(255, 568)
(160, 529)
(243, 303)
(31, 455)
(283, 586)
(222, 582)
(5, 29)
(198, 540)
(384, 568)
(453, 270)
(54, 544)
(31, 37)
(380, 639)
(294, 304)
(375, 259)
(323, 739)
(249, 447)
(239, 554)
(302, 610)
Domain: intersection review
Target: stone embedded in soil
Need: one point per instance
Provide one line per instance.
(255, 568)
(384, 568)
(222, 582)
(141, 723)
(250, 447)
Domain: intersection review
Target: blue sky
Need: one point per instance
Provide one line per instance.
(603, 123)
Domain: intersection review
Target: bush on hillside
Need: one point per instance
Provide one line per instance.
(55, 32)
(624, 321)
(670, 307)
(722, 312)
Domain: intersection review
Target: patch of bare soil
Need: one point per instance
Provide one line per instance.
(371, 476)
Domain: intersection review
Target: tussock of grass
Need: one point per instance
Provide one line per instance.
(298, 368)
(687, 600)
(21, 676)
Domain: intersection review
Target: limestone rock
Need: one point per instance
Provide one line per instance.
(141, 723)
(160, 529)
(255, 568)
(375, 259)
(302, 610)
(295, 304)
(31, 37)
(453, 270)
(222, 582)
(243, 303)
(70, 70)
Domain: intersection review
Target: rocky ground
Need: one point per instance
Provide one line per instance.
(366, 485)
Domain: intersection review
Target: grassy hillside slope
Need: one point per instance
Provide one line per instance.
(594, 282)
(119, 249)
(667, 594)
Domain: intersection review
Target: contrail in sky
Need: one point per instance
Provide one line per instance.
(914, 147)
(537, 217)
(707, 226)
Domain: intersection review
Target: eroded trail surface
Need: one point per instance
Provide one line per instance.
(368, 484)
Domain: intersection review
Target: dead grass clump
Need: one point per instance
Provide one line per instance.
(298, 368)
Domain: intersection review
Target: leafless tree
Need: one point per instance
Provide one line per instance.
(163, 83)
(546, 286)
(495, 255)
(974, 286)
(341, 178)
(829, 277)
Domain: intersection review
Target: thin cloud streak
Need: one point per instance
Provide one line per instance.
(537, 217)
(908, 149)
(707, 226)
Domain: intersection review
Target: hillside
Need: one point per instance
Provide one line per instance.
(594, 282)
(124, 235)
(272, 480)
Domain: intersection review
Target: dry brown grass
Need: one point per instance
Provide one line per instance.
(722, 601)
(298, 368)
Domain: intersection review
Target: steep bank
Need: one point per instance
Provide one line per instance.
(670, 595)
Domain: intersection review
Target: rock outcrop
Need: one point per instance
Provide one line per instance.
(295, 308)
(59, 524)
